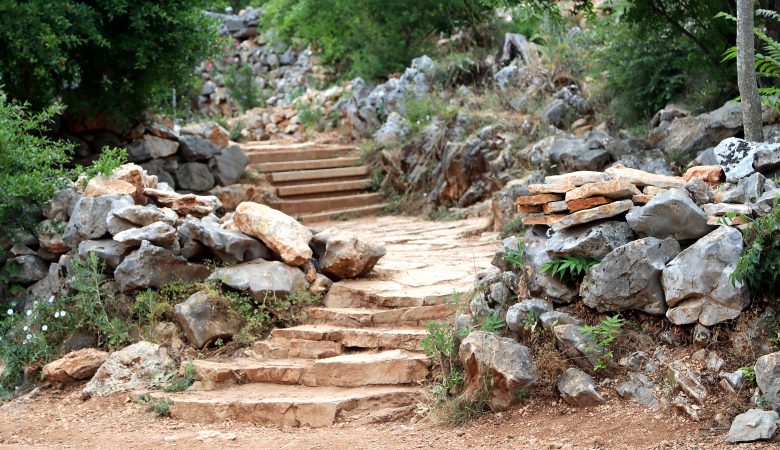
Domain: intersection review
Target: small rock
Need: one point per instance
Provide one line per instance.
(129, 368)
(767, 370)
(158, 233)
(280, 232)
(577, 388)
(262, 278)
(75, 366)
(343, 255)
(204, 321)
(753, 425)
(519, 313)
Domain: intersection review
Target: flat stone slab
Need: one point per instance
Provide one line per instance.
(558, 188)
(586, 203)
(642, 178)
(576, 178)
(593, 214)
(385, 338)
(539, 199)
(364, 369)
(616, 189)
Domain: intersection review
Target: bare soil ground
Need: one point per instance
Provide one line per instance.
(60, 419)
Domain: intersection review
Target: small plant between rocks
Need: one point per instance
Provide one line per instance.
(573, 266)
(604, 333)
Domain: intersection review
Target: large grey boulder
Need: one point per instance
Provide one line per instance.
(736, 157)
(204, 320)
(576, 154)
(501, 364)
(394, 131)
(108, 251)
(229, 166)
(747, 190)
(577, 346)
(194, 176)
(195, 148)
(669, 214)
(577, 388)
(519, 314)
(133, 367)
(26, 269)
(158, 147)
(343, 255)
(767, 370)
(689, 135)
(542, 284)
(88, 220)
(262, 278)
(696, 283)
(229, 245)
(753, 425)
(61, 205)
(594, 240)
(629, 277)
(158, 233)
(153, 266)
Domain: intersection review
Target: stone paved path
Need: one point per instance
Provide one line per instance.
(360, 353)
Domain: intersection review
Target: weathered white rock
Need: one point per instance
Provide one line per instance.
(158, 233)
(343, 255)
(767, 370)
(696, 283)
(681, 376)
(88, 220)
(185, 204)
(671, 214)
(144, 215)
(204, 321)
(577, 388)
(642, 178)
(577, 346)
(159, 147)
(629, 277)
(109, 251)
(280, 232)
(130, 368)
(153, 266)
(542, 284)
(503, 364)
(26, 269)
(590, 240)
(231, 246)
(262, 278)
(736, 157)
(518, 314)
(75, 366)
(551, 319)
(753, 425)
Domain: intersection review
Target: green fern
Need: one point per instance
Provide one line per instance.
(605, 334)
(492, 324)
(574, 266)
(515, 257)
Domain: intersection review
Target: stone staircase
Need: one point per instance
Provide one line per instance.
(315, 182)
(359, 355)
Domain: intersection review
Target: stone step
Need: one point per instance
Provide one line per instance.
(310, 164)
(361, 317)
(316, 188)
(408, 338)
(318, 205)
(319, 174)
(368, 368)
(346, 213)
(250, 370)
(281, 405)
(384, 294)
(294, 348)
(259, 154)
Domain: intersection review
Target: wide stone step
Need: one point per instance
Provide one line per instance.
(260, 154)
(319, 174)
(384, 294)
(317, 188)
(281, 405)
(310, 164)
(362, 317)
(346, 213)
(250, 370)
(318, 205)
(368, 368)
(380, 338)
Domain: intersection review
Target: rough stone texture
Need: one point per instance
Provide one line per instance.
(231, 246)
(501, 363)
(699, 191)
(158, 147)
(144, 215)
(343, 255)
(638, 388)
(696, 283)
(736, 156)
(195, 148)
(712, 175)
(262, 278)
(204, 321)
(689, 135)
(28, 269)
(587, 203)
(670, 214)
(641, 178)
(540, 283)
(158, 233)
(88, 220)
(577, 388)
(747, 190)
(321, 285)
(753, 425)
(109, 251)
(576, 178)
(519, 312)
(593, 214)
(74, 366)
(142, 269)
(229, 166)
(393, 131)
(101, 185)
(137, 176)
(590, 240)
(577, 346)
(61, 204)
(767, 157)
(629, 277)
(195, 176)
(551, 319)
(185, 204)
(688, 381)
(616, 189)
(130, 368)
(768, 378)
(280, 232)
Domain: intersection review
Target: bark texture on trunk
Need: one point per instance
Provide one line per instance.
(746, 72)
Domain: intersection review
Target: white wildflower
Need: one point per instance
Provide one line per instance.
(62, 313)
(25, 328)
(44, 328)
(10, 312)
(29, 312)
(56, 314)
(51, 299)
(29, 336)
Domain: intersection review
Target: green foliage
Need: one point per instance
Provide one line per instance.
(492, 324)
(374, 39)
(604, 334)
(110, 159)
(420, 111)
(35, 336)
(532, 319)
(180, 382)
(242, 86)
(104, 56)
(573, 266)
(759, 264)
(160, 406)
(749, 372)
(311, 117)
(515, 258)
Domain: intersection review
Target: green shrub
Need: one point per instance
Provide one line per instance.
(604, 334)
(573, 266)
(515, 258)
(759, 264)
(102, 56)
(242, 86)
(180, 382)
(160, 406)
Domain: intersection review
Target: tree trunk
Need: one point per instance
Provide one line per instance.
(746, 72)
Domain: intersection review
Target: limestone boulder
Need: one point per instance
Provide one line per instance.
(25, 269)
(577, 346)
(280, 232)
(194, 176)
(196, 148)
(88, 220)
(768, 378)
(231, 246)
(670, 214)
(262, 278)
(60, 206)
(629, 277)
(590, 240)
(158, 147)
(519, 314)
(144, 215)
(736, 157)
(153, 266)
(753, 425)
(542, 284)
(696, 283)
(689, 135)
(343, 255)
(229, 166)
(185, 204)
(108, 251)
(577, 388)
(551, 319)
(204, 320)
(395, 130)
(502, 364)
(158, 233)
(130, 368)
(75, 366)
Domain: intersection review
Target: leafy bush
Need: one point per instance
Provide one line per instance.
(759, 264)
(179, 383)
(573, 266)
(242, 86)
(101, 56)
(605, 334)
(160, 406)
(514, 257)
